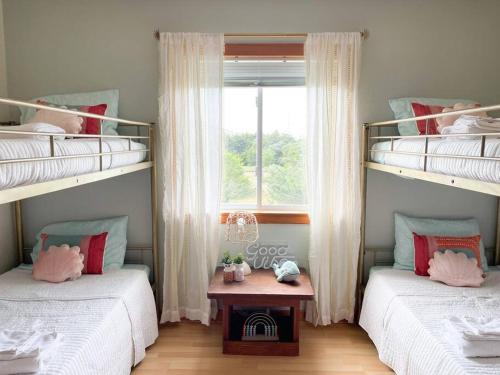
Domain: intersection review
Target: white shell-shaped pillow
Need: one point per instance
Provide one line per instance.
(455, 269)
(58, 264)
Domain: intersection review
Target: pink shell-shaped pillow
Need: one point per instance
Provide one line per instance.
(58, 264)
(455, 269)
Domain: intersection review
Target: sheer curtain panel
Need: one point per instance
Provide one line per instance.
(190, 160)
(333, 170)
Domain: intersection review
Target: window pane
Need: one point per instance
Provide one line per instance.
(240, 134)
(284, 127)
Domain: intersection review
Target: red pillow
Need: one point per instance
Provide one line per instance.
(91, 247)
(426, 246)
(89, 125)
(423, 110)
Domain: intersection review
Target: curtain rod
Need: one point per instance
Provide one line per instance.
(364, 35)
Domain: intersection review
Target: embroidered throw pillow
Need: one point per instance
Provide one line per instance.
(91, 247)
(424, 110)
(426, 246)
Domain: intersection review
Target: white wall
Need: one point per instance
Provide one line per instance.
(8, 254)
(440, 48)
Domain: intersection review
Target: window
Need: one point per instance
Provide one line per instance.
(264, 135)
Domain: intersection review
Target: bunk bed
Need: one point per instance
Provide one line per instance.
(106, 321)
(402, 312)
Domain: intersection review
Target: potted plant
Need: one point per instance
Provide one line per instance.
(239, 271)
(227, 261)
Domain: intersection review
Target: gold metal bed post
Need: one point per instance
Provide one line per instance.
(497, 238)
(19, 230)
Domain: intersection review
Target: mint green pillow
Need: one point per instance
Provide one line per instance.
(109, 97)
(404, 251)
(116, 243)
(402, 109)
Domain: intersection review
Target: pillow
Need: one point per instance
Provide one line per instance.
(402, 109)
(426, 246)
(88, 125)
(39, 127)
(92, 248)
(405, 226)
(72, 124)
(109, 97)
(423, 110)
(455, 269)
(116, 242)
(58, 264)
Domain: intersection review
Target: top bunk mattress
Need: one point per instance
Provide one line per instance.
(482, 170)
(403, 314)
(106, 321)
(25, 173)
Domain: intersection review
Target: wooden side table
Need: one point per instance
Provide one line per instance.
(260, 289)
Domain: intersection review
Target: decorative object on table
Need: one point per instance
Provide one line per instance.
(242, 228)
(260, 327)
(239, 271)
(455, 269)
(227, 261)
(286, 270)
(265, 255)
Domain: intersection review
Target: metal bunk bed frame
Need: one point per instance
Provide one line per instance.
(16, 194)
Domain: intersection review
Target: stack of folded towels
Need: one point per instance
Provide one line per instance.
(474, 337)
(473, 125)
(26, 351)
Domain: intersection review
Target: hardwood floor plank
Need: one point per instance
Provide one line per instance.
(191, 348)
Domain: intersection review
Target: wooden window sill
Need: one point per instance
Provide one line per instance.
(275, 217)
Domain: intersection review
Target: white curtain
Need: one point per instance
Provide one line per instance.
(190, 140)
(333, 170)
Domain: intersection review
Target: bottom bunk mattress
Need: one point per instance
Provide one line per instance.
(105, 321)
(31, 172)
(404, 316)
(476, 169)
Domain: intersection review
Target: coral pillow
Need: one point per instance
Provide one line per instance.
(426, 246)
(88, 125)
(72, 124)
(91, 247)
(58, 264)
(423, 110)
(455, 269)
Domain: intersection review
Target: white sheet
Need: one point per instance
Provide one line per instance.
(482, 170)
(32, 172)
(404, 316)
(106, 321)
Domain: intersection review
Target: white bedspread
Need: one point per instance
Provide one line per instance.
(482, 170)
(403, 314)
(33, 172)
(106, 321)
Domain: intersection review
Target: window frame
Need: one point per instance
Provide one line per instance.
(291, 213)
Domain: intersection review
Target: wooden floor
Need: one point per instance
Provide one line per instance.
(191, 348)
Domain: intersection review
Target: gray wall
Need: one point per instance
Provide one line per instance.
(444, 48)
(8, 254)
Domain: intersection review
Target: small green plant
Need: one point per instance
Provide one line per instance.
(226, 258)
(238, 259)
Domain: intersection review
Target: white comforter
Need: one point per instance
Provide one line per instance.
(106, 321)
(483, 170)
(33, 172)
(404, 316)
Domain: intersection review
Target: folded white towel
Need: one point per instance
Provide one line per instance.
(472, 125)
(474, 337)
(20, 366)
(26, 351)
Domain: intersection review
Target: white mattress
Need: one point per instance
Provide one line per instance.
(482, 170)
(106, 321)
(33, 172)
(403, 314)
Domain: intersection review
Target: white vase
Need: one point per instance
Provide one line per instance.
(239, 272)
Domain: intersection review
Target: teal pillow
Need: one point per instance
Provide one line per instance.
(404, 251)
(402, 109)
(109, 97)
(116, 243)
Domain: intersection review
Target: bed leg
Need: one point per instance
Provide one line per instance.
(19, 230)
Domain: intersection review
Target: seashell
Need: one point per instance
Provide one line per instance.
(455, 269)
(58, 264)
